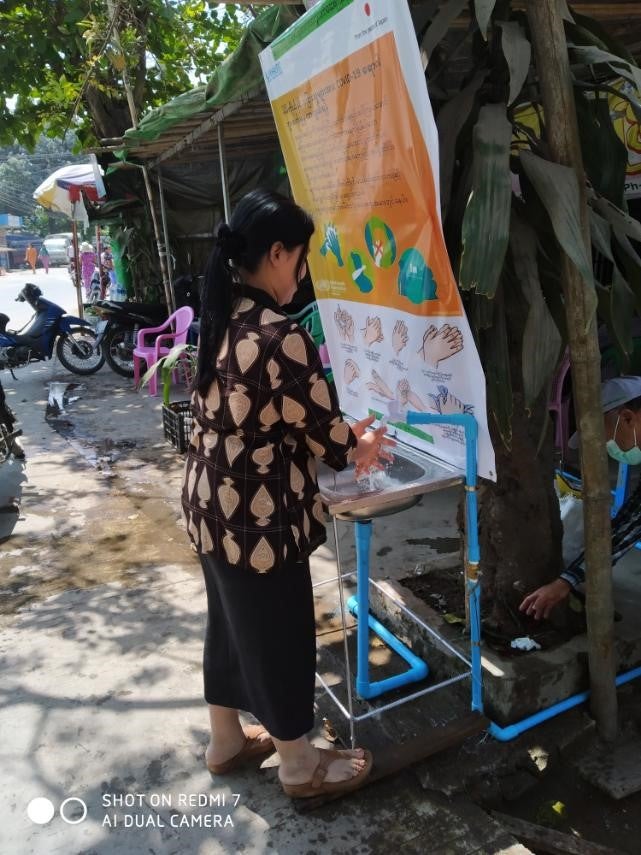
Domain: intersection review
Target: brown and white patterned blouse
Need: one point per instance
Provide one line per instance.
(250, 494)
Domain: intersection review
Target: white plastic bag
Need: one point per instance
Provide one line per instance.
(572, 519)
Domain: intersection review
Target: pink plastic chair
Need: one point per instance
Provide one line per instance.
(559, 404)
(177, 326)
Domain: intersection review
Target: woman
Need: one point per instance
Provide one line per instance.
(31, 257)
(44, 258)
(87, 265)
(263, 414)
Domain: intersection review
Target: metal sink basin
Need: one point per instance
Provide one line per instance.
(399, 487)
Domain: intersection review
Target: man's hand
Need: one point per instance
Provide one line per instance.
(540, 603)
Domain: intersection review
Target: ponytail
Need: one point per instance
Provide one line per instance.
(261, 219)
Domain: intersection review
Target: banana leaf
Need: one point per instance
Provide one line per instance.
(605, 158)
(517, 52)
(447, 14)
(590, 31)
(601, 234)
(622, 223)
(541, 339)
(622, 304)
(486, 223)
(450, 121)
(557, 187)
(483, 10)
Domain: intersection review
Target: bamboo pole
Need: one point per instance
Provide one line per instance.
(562, 134)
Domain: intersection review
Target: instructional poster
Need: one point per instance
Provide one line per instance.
(361, 148)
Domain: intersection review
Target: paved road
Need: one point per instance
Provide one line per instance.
(56, 286)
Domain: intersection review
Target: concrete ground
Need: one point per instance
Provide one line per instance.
(100, 649)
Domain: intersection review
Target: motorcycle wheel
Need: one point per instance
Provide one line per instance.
(78, 352)
(118, 347)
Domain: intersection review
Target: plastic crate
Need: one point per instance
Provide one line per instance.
(177, 424)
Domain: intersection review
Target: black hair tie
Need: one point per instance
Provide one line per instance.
(230, 242)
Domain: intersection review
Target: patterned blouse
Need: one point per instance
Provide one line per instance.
(250, 494)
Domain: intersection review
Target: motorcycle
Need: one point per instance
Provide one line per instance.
(118, 330)
(9, 442)
(75, 342)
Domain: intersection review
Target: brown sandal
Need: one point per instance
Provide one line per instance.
(318, 786)
(253, 747)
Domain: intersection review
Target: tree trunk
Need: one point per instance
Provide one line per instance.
(519, 519)
(561, 131)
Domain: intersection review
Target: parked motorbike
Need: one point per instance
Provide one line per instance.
(74, 339)
(9, 442)
(118, 330)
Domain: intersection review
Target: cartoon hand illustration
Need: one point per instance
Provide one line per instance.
(359, 276)
(345, 325)
(399, 336)
(332, 244)
(409, 399)
(373, 331)
(447, 404)
(377, 384)
(351, 371)
(440, 344)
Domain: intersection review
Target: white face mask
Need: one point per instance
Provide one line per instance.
(632, 457)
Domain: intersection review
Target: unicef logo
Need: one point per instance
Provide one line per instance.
(72, 810)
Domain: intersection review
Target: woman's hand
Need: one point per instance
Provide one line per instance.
(372, 448)
(540, 603)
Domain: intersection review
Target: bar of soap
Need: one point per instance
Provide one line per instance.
(524, 643)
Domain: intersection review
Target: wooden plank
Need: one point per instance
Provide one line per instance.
(395, 758)
(550, 841)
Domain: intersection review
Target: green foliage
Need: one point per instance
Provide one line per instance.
(510, 233)
(181, 353)
(61, 64)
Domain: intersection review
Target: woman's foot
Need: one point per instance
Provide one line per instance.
(233, 743)
(343, 766)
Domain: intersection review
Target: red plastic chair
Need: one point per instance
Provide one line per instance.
(559, 404)
(177, 326)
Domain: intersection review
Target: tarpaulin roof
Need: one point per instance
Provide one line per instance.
(236, 84)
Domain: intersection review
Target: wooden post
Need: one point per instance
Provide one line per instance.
(562, 134)
(76, 261)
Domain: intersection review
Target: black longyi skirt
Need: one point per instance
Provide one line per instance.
(260, 644)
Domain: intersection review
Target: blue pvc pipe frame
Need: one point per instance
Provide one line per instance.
(359, 605)
(472, 550)
(510, 731)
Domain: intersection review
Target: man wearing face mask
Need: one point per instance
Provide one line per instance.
(621, 402)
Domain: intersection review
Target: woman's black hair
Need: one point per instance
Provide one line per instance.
(261, 219)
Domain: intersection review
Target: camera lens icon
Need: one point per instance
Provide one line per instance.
(41, 810)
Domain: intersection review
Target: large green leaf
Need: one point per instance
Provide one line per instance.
(565, 11)
(447, 14)
(621, 223)
(517, 52)
(622, 303)
(486, 224)
(541, 339)
(450, 120)
(483, 10)
(557, 187)
(601, 233)
(590, 32)
(605, 158)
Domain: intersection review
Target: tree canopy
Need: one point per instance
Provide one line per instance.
(61, 67)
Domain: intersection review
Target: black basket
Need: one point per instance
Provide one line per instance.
(177, 423)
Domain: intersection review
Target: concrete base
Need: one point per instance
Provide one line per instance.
(517, 687)
(614, 769)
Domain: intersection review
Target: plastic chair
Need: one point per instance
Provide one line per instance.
(177, 326)
(559, 404)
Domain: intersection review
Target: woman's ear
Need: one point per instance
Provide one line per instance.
(628, 416)
(276, 251)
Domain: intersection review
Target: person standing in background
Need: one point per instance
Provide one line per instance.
(87, 264)
(31, 257)
(44, 258)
